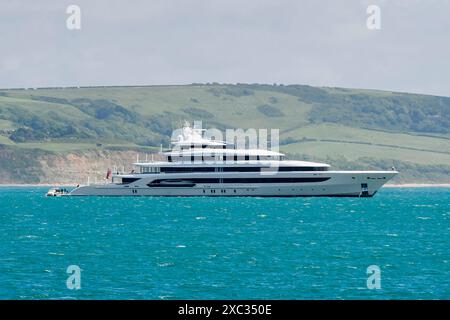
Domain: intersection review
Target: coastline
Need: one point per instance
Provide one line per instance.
(405, 185)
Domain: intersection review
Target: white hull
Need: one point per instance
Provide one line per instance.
(340, 183)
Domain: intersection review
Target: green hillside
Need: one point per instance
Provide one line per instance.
(348, 128)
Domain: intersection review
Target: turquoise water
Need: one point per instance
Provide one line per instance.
(225, 248)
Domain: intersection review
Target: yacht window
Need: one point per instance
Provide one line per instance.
(129, 180)
(284, 169)
(196, 159)
(158, 182)
(186, 169)
(241, 169)
(208, 158)
(274, 180)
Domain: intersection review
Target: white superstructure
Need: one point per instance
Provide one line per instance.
(201, 167)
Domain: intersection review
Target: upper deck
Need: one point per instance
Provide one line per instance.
(193, 153)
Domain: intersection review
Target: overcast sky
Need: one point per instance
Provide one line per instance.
(316, 42)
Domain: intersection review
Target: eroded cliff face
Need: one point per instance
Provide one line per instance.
(75, 168)
(35, 166)
(66, 169)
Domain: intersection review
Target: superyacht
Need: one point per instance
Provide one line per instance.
(198, 166)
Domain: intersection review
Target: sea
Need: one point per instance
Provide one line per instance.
(395, 245)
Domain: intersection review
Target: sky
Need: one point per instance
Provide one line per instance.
(160, 42)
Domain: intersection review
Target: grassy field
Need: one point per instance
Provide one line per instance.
(323, 123)
(354, 143)
(239, 110)
(354, 152)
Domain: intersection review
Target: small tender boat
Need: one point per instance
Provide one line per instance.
(57, 192)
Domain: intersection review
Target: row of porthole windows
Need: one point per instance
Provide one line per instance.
(225, 190)
(134, 191)
(213, 191)
(221, 191)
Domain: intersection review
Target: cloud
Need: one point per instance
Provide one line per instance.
(183, 41)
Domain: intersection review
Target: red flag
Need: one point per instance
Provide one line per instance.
(108, 174)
